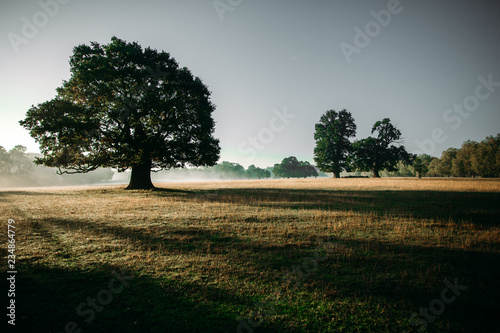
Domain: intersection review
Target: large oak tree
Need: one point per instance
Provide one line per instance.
(333, 147)
(127, 108)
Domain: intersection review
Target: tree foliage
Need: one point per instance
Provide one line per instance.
(128, 108)
(446, 162)
(333, 147)
(15, 161)
(421, 164)
(290, 167)
(471, 160)
(461, 165)
(17, 170)
(229, 170)
(485, 160)
(256, 172)
(380, 152)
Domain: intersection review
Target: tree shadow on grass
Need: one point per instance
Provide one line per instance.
(480, 208)
(26, 193)
(49, 298)
(394, 275)
(155, 238)
(408, 278)
(166, 191)
(10, 194)
(373, 272)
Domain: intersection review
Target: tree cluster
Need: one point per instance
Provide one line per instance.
(17, 169)
(256, 172)
(334, 152)
(222, 171)
(14, 161)
(473, 159)
(290, 167)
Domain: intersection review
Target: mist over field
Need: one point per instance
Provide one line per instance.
(26, 174)
(18, 169)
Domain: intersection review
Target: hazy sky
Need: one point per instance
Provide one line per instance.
(274, 67)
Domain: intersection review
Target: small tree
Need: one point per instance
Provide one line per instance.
(127, 108)
(333, 147)
(380, 152)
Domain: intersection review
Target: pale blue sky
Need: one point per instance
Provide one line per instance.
(269, 56)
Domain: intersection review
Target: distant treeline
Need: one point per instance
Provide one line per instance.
(289, 167)
(18, 170)
(473, 159)
(222, 171)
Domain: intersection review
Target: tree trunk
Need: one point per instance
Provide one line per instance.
(375, 173)
(336, 174)
(140, 179)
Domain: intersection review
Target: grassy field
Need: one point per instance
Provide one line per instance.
(314, 255)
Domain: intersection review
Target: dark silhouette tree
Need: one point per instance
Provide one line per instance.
(333, 147)
(290, 167)
(307, 170)
(380, 152)
(127, 108)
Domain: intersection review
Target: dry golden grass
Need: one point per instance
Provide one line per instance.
(225, 244)
(354, 184)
